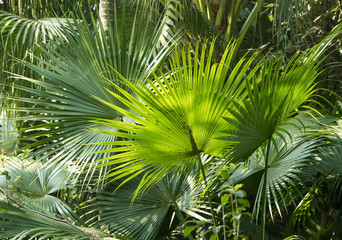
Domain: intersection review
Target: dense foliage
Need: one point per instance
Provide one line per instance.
(170, 119)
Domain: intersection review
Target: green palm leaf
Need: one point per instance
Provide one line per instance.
(329, 164)
(152, 214)
(75, 71)
(289, 156)
(18, 223)
(19, 33)
(179, 116)
(34, 185)
(275, 96)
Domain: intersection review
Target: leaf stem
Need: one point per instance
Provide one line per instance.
(224, 223)
(264, 194)
(208, 193)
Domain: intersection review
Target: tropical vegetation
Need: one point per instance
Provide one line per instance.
(170, 119)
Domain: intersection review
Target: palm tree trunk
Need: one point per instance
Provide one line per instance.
(106, 14)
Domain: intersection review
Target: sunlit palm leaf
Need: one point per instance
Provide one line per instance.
(179, 116)
(273, 97)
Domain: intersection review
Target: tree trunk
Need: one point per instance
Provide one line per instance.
(106, 8)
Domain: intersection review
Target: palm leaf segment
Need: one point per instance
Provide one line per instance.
(18, 223)
(274, 96)
(179, 115)
(75, 72)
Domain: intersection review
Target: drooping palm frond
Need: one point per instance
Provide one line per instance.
(76, 70)
(179, 115)
(152, 215)
(18, 222)
(20, 34)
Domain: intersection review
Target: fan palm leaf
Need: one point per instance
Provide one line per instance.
(19, 33)
(280, 94)
(32, 185)
(289, 156)
(79, 69)
(269, 105)
(179, 116)
(152, 214)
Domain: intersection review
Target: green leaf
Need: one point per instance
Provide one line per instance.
(188, 230)
(225, 199)
(244, 203)
(77, 68)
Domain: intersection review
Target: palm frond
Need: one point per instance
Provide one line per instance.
(18, 222)
(179, 116)
(274, 96)
(75, 71)
(152, 213)
(329, 164)
(35, 186)
(289, 155)
(20, 34)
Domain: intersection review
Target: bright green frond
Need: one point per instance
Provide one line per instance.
(180, 115)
